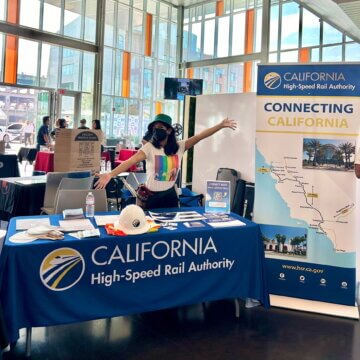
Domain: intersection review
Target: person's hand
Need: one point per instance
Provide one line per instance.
(228, 123)
(102, 181)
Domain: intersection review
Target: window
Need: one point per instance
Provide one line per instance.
(27, 70)
(223, 39)
(290, 26)
(72, 18)
(311, 29)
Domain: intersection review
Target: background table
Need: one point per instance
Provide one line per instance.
(56, 282)
(44, 161)
(21, 196)
(8, 165)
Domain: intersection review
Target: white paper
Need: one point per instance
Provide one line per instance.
(226, 223)
(102, 220)
(76, 225)
(25, 224)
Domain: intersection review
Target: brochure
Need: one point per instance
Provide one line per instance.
(217, 198)
(181, 216)
(222, 220)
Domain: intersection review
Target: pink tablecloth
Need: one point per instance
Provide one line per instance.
(125, 154)
(44, 161)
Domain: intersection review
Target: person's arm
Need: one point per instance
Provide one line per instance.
(357, 170)
(105, 178)
(226, 123)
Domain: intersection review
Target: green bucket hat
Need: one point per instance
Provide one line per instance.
(163, 118)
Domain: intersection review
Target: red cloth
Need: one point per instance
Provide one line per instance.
(105, 155)
(125, 154)
(44, 161)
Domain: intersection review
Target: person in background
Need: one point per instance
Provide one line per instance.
(163, 155)
(28, 132)
(42, 138)
(60, 124)
(97, 126)
(357, 164)
(83, 124)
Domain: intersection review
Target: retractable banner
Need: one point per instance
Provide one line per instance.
(308, 122)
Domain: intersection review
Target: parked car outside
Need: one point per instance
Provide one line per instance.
(15, 132)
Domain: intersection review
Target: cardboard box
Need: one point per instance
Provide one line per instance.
(2, 147)
(77, 150)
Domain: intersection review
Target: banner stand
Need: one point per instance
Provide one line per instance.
(319, 307)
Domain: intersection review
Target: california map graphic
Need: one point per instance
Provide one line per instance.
(62, 269)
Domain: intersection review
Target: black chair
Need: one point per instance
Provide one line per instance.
(244, 199)
(226, 174)
(9, 166)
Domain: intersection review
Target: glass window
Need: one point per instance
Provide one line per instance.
(238, 39)
(162, 73)
(220, 79)
(139, 4)
(198, 12)
(186, 16)
(88, 72)
(30, 7)
(236, 77)
(332, 53)
(209, 39)
(126, 2)
(208, 79)
(315, 55)
(223, 38)
(310, 30)
(195, 41)
(118, 72)
(137, 32)
(258, 28)
(173, 42)
(109, 23)
(107, 71)
(352, 52)
(209, 10)
(146, 117)
(52, 16)
(71, 81)
(290, 26)
(1, 56)
(106, 115)
(154, 41)
(185, 52)
(135, 76)
(90, 20)
(174, 14)
(123, 28)
(27, 70)
(331, 35)
(86, 107)
(170, 107)
(119, 126)
(274, 28)
(164, 11)
(289, 56)
(2, 10)
(227, 6)
(49, 66)
(72, 18)
(152, 7)
(273, 58)
(163, 41)
(133, 130)
(239, 5)
(148, 78)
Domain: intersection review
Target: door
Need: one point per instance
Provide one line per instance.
(68, 107)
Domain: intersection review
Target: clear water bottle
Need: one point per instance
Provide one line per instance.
(108, 166)
(102, 166)
(90, 205)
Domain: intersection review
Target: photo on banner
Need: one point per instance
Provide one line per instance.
(308, 124)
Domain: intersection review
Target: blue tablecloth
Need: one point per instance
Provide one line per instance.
(47, 283)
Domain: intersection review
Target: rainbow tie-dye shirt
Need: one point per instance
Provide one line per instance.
(162, 170)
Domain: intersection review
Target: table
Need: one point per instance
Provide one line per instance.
(8, 165)
(44, 161)
(21, 196)
(48, 283)
(27, 153)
